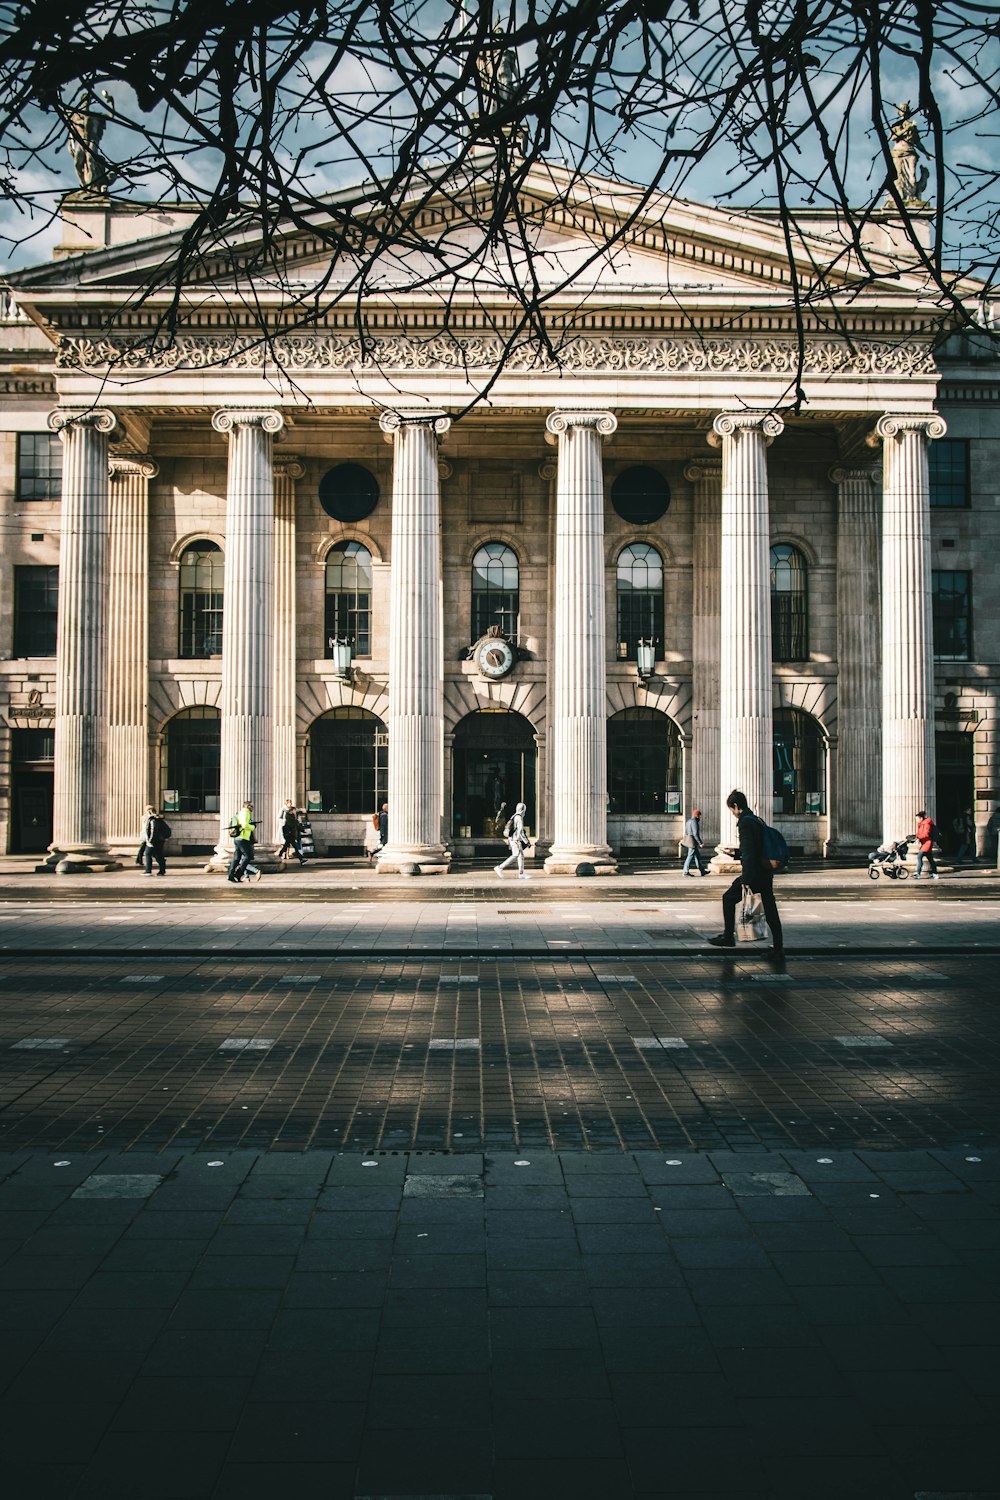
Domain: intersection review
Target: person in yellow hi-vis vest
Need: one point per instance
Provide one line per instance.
(242, 829)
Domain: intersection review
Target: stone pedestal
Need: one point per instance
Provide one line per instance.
(856, 823)
(128, 649)
(706, 481)
(247, 696)
(579, 649)
(80, 806)
(745, 701)
(907, 622)
(416, 660)
(287, 470)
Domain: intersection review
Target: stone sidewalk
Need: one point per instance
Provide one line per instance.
(728, 1326)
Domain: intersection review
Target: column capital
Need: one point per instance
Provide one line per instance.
(558, 422)
(392, 422)
(732, 423)
(247, 416)
(855, 474)
(892, 425)
(289, 466)
(132, 463)
(702, 469)
(100, 418)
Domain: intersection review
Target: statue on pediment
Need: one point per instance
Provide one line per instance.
(911, 176)
(86, 128)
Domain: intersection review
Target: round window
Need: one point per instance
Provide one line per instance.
(640, 496)
(348, 492)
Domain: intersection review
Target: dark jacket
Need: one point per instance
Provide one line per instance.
(751, 851)
(692, 830)
(383, 828)
(155, 831)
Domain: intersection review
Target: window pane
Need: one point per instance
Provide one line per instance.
(349, 761)
(640, 600)
(789, 610)
(799, 762)
(192, 759)
(644, 761)
(202, 578)
(495, 590)
(348, 597)
(39, 466)
(36, 606)
(952, 601)
(948, 462)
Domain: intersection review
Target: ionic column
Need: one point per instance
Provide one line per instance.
(746, 727)
(855, 813)
(907, 622)
(416, 659)
(80, 810)
(706, 479)
(579, 820)
(128, 643)
(287, 470)
(247, 694)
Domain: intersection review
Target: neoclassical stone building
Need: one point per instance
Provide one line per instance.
(614, 589)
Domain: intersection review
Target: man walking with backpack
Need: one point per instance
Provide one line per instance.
(242, 830)
(757, 873)
(517, 841)
(155, 833)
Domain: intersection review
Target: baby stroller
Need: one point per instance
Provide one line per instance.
(889, 862)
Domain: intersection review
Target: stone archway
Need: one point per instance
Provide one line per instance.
(495, 766)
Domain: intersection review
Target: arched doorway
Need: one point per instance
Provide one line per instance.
(494, 768)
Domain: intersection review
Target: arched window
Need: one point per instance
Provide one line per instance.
(190, 761)
(202, 574)
(799, 763)
(349, 597)
(640, 599)
(348, 761)
(644, 762)
(789, 625)
(495, 589)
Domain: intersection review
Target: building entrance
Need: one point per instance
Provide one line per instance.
(31, 788)
(494, 769)
(954, 789)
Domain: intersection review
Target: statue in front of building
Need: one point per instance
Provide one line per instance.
(86, 128)
(498, 72)
(911, 176)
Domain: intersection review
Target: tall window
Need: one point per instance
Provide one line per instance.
(39, 466)
(640, 599)
(203, 570)
(495, 589)
(789, 628)
(948, 461)
(36, 605)
(799, 761)
(349, 761)
(191, 761)
(644, 762)
(952, 600)
(349, 597)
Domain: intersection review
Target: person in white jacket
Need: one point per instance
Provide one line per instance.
(517, 841)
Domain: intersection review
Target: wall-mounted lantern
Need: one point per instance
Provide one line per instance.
(342, 647)
(645, 656)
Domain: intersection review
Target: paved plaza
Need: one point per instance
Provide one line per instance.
(343, 1188)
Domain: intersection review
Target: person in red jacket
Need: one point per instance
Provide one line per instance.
(925, 845)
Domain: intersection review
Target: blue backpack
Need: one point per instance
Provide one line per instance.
(775, 849)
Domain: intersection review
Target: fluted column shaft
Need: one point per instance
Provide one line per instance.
(706, 479)
(907, 622)
(745, 700)
(416, 659)
(286, 471)
(247, 695)
(128, 638)
(80, 828)
(579, 648)
(855, 817)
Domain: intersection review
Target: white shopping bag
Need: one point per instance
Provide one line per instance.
(751, 926)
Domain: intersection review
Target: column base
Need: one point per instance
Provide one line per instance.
(593, 860)
(87, 859)
(724, 864)
(417, 859)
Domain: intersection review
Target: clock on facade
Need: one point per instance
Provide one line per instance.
(494, 656)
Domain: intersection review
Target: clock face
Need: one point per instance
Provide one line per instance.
(495, 658)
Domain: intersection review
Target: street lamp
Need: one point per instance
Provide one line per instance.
(342, 647)
(645, 656)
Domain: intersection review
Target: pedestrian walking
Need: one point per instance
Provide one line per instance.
(155, 834)
(693, 844)
(926, 834)
(517, 841)
(965, 832)
(756, 873)
(242, 829)
(306, 841)
(383, 825)
(140, 853)
(291, 833)
(373, 839)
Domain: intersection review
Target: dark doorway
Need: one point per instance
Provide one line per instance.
(31, 785)
(954, 788)
(494, 762)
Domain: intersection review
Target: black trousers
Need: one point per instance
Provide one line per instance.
(155, 851)
(242, 855)
(764, 887)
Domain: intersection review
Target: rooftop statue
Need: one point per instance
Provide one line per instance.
(86, 127)
(911, 178)
(498, 71)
